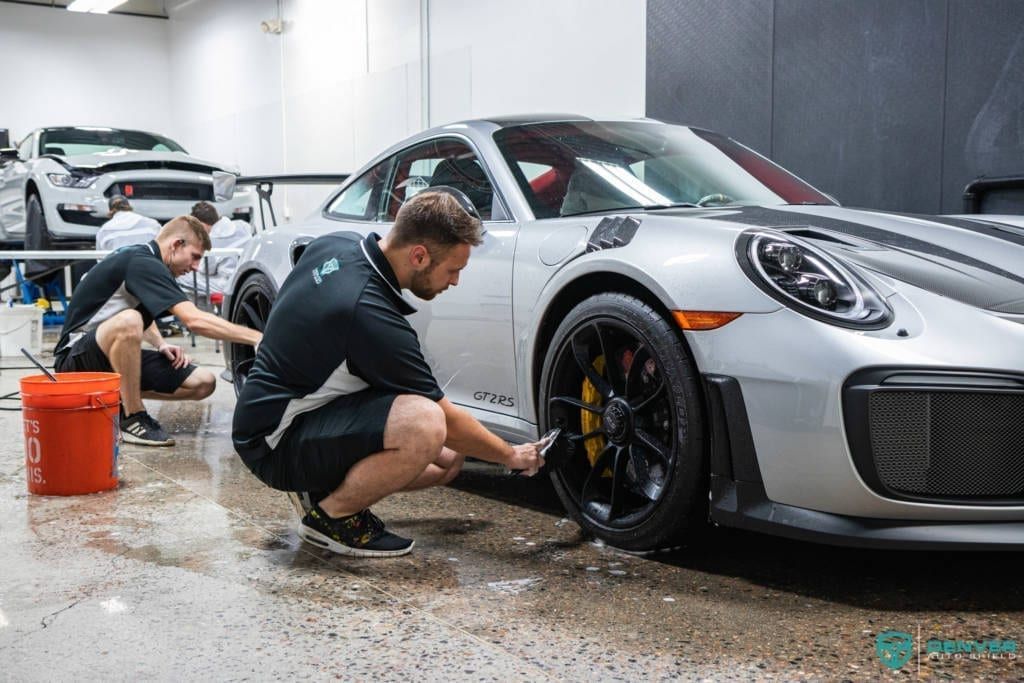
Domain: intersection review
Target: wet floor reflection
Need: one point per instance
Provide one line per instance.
(193, 555)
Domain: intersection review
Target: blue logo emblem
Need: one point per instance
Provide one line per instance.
(326, 269)
(894, 648)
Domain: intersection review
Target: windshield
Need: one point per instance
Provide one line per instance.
(571, 168)
(72, 141)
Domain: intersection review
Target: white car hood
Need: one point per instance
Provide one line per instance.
(116, 157)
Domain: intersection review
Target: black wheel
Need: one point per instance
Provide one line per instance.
(37, 235)
(621, 384)
(251, 308)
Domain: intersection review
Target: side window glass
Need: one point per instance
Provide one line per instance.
(361, 199)
(442, 162)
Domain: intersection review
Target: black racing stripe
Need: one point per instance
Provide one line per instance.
(773, 218)
(979, 225)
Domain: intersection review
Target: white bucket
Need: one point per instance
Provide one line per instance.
(20, 326)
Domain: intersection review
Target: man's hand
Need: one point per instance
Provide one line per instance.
(175, 354)
(526, 458)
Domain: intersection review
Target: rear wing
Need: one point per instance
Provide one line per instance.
(265, 188)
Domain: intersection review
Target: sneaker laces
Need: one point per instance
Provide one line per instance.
(374, 523)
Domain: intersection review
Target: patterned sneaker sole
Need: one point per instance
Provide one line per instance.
(128, 437)
(314, 537)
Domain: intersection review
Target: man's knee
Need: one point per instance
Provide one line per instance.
(204, 383)
(127, 325)
(418, 423)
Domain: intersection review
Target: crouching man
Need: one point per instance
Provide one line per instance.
(112, 312)
(340, 398)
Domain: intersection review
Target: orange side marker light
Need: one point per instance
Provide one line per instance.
(703, 320)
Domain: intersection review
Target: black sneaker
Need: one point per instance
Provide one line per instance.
(359, 535)
(303, 501)
(143, 430)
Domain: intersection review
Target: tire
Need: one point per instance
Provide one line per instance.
(250, 308)
(614, 483)
(37, 236)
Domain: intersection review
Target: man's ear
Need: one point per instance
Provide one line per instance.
(419, 256)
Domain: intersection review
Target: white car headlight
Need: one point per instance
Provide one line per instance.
(810, 281)
(69, 180)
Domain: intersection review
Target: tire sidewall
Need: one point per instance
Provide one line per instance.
(683, 507)
(37, 235)
(258, 282)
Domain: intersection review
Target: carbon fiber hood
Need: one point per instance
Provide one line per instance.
(126, 159)
(977, 262)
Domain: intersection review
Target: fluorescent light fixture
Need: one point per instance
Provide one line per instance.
(94, 6)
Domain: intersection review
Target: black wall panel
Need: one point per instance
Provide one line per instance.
(709, 64)
(886, 104)
(858, 99)
(985, 99)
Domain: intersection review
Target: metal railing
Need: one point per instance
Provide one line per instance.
(976, 190)
(96, 254)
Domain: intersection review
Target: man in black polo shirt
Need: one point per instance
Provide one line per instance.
(340, 399)
(112, 312)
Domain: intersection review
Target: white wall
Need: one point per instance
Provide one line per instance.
(341, 82)
(552, 56)
(337, 85)
(67, 68)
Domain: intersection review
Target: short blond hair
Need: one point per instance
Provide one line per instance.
(188, 227)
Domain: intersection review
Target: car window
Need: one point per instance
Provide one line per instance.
(567, 168)
(72, 141)
(442, 162)
(361, 199)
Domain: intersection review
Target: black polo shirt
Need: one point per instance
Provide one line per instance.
(337, 327)
(133, 277)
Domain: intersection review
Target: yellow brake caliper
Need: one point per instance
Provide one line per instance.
(592, 421)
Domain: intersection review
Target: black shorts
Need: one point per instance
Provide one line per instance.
(319, 447)
(157, 372)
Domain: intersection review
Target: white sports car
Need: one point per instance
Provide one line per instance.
(54, 187)
(715, 337)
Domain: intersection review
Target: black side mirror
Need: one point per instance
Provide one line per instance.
(5, 138)
(9, 154)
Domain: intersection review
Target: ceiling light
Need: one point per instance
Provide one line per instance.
(94, 6)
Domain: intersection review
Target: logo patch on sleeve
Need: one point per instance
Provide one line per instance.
(326, 269)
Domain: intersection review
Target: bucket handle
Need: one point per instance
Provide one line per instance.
(94, 398)
(4, 333)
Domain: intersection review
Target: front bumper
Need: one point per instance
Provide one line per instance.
(745, 505)
(792, 373)
(738, 497)
(76, 214)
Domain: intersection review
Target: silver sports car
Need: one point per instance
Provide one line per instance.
(716, 338)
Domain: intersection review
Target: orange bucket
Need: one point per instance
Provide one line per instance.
(71, 432)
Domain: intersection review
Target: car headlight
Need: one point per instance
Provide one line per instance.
(810, 281)
(69, 180)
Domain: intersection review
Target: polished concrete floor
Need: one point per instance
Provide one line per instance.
(191, 570)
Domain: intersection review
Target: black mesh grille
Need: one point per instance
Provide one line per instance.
(161, 189)
(949, 443)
